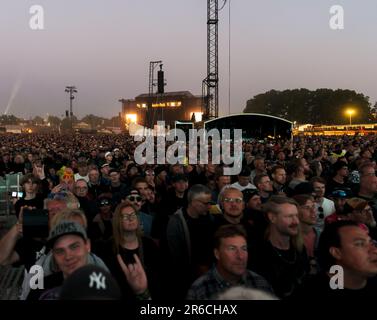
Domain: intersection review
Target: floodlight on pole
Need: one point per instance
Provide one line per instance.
(350, 112)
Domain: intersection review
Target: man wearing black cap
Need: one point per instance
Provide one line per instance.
(70, 249)
(339, 197)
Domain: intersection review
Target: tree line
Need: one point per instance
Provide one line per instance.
(321, 106)
(56, 122)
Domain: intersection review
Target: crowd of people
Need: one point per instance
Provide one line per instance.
(188, 231)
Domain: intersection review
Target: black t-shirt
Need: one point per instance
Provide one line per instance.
(36, 202)
(332, 185)
(29, 251)
(285, 270)
(150, 257)
(201, 235)
(53, 281)
(318, 287)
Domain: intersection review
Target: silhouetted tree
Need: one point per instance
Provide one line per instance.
(324, 106)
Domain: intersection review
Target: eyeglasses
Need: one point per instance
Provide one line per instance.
(135, 198)
(367, 210)
(209, 203)
(231, 200)
(129, 217)
(104, 203)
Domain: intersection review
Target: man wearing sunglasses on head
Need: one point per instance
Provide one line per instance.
(133, 197)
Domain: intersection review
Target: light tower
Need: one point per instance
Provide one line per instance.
(71, 90)
(210, 85)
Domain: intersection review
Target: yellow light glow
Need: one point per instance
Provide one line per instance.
(131, 118)
(350, 112)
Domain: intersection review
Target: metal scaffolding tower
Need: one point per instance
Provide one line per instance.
(210, 87)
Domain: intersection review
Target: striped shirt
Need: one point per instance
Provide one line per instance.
(211, 284)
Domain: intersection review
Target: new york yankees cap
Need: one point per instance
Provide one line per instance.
(90, 283)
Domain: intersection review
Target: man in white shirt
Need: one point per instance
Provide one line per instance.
(82, 167)
(244, 180)
(324, 206)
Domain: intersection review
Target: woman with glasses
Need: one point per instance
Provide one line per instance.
(133, 197)
(128, 239)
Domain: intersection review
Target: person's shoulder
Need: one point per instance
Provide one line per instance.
(148, 242)
(202, 281)
(260, 281)
(317, 286)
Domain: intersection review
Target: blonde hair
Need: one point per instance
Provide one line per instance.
(273, 206)
(69, 215)
(64, 196)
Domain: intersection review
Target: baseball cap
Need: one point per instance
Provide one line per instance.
(113, 170)
(105, 165)
(108, 153)
(249, 193)
(354, 204)
(116, 149)
(339, 193)
(90, 283)
(65, 228)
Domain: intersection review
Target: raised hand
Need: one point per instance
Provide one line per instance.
(135, 274)
(39, 171)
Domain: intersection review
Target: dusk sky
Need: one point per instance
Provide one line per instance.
(103, 47)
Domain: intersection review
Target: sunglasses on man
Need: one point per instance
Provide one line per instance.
(134, 198)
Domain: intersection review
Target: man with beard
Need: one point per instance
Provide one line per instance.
(281, 258)
(299, 169)
(232, 206)
(347, 246)
(368, 186)
(264, 186)
(279, 179)
(339, 197)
